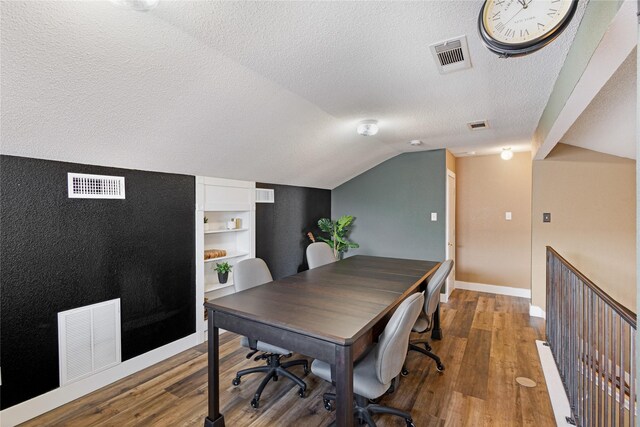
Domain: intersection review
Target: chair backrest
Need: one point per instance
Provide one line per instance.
(319, 254)
(394, 340)
(432, 293)
(250, 273)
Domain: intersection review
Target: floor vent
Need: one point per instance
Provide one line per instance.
(83, 186)
(265, 195)
(88, 340)
(451, 55)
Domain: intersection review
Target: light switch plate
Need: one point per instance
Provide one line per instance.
(507, 216)
(434, 216)
(546, 217)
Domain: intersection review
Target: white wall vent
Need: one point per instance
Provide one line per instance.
(451, 55)
(478, 125)
(83, 186)
(88, 340)
(265, 195)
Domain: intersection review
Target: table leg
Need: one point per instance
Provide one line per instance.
(436, 331)
(215, 418)
(344, 386)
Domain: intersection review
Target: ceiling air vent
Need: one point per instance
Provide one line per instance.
(451, 55)
(83, 186)
(479, 125)
(265, 195)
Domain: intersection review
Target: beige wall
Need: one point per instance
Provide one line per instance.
(451, 162)
(591, 198)
(490, 249)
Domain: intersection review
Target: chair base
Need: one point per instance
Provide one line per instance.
(413, 345)
(273, 370)
(364, 412)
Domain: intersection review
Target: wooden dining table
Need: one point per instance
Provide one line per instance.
(333, 313)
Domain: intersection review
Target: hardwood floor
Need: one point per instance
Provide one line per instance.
(489, 340)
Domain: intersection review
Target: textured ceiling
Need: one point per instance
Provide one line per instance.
(608, 124)
(266, 91)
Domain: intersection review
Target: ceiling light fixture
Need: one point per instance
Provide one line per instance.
(415, 142)
(506, 154)
(139, 5)
(368, 127)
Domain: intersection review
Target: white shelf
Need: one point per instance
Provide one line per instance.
(229, 256)
(210, 287)
(226, 231)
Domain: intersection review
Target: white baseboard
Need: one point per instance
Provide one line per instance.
(559, 400)
(536, 311)
(45, 402)
(444, 298)
(493, 289)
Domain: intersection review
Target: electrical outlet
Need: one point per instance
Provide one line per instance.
(546, 217)
(507, 216)
(434, 216)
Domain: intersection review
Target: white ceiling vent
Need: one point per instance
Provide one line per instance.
(265, 195)
(451, 55)
(83, 186)
(88, 340)
(478, 125)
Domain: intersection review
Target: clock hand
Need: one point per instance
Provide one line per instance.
(505, 24)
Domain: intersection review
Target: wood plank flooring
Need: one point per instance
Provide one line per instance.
(489, 340)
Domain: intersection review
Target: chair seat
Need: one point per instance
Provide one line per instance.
(263, 346)
(365, 382)
(422, 323)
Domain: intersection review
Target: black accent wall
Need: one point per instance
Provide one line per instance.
(281, 227)
(58, 253)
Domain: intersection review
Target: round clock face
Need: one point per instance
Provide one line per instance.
(518, 27)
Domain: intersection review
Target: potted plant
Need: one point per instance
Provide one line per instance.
(338, 232)
(223, 270)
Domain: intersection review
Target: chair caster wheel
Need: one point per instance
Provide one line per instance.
(440, 367)
(255, 403)
(410, 423)
(427, 347)
(306, 370)
(327, 405)
(301, 392)
(275, 378)
(404, 372)
(236, 381)
(374, 401)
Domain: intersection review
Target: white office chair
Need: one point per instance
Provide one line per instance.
(373, 375)
(424, 323)
(319, 254)
(249, 274)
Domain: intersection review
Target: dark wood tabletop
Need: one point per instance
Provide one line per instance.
(332, 313)
(337, 302)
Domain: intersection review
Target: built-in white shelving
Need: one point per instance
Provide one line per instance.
(225, 203)
(225, 231)
(228, 256)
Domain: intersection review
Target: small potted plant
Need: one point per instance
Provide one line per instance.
(223, 270)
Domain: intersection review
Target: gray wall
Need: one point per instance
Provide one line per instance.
(392, 204)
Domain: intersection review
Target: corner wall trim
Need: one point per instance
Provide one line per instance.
(535, 311)
(493, 289)
(559, 400)
(45, 402)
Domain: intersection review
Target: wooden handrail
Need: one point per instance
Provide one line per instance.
(629, 316)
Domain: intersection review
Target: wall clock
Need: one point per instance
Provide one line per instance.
(520, 27)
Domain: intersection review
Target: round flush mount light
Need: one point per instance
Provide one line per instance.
(506, 154)
(368, 127)
(415, 142)
(139, 5)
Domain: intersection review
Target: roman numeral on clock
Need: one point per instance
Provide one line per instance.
(498, 3)
(499, 27)
(552, 12)
(496, 16)
(509, 32)
(540, 26)
(524, 33)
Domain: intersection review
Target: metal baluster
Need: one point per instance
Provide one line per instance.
(605, 365)
(622, 371)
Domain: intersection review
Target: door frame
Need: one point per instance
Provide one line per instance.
(449, 284)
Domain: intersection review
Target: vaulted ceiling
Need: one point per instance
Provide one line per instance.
(266, 91)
